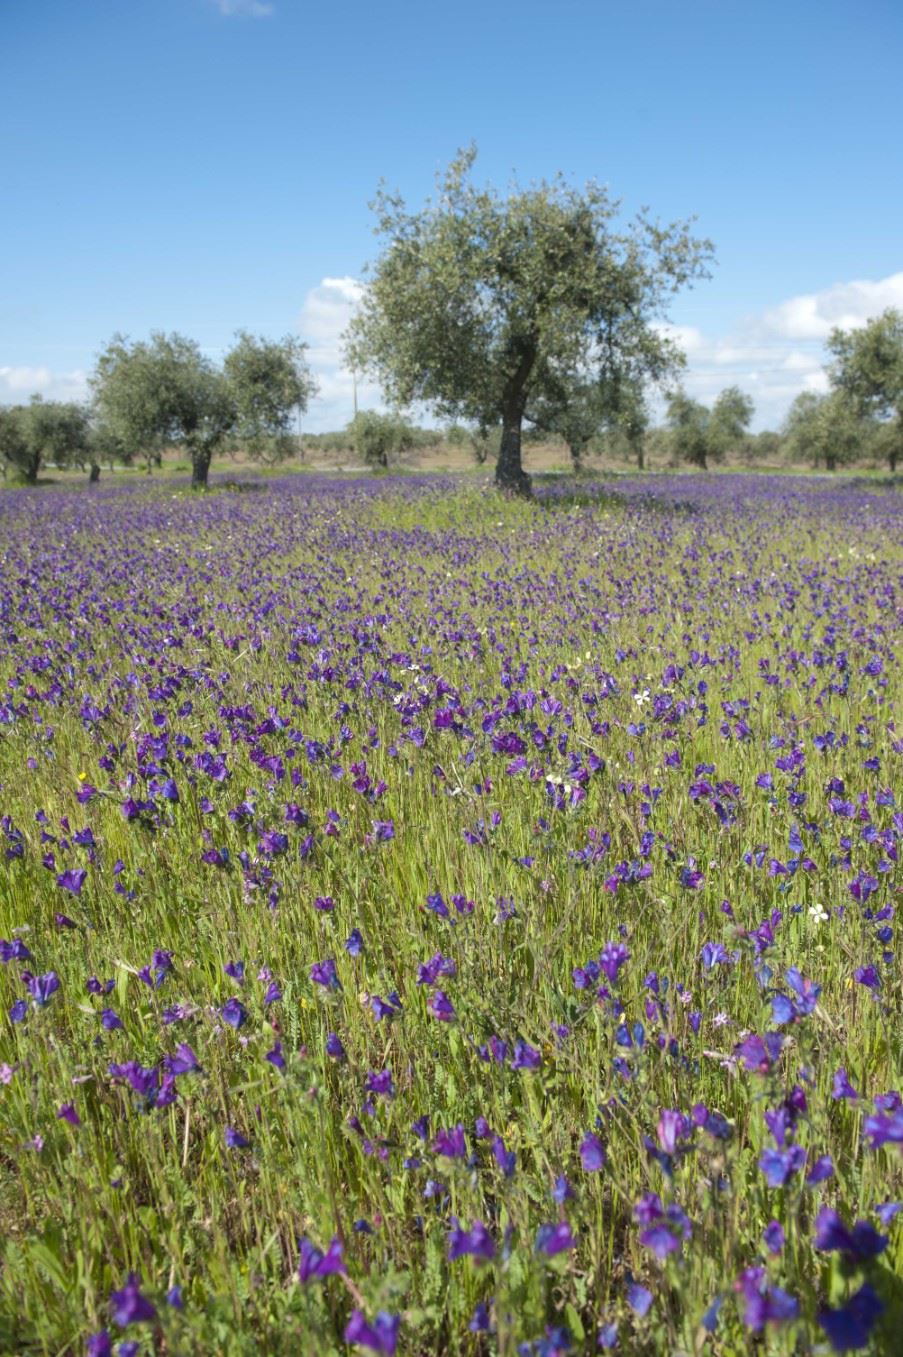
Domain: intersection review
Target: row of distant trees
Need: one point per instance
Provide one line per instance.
(161, 393)
(505, 314)
(859, 417)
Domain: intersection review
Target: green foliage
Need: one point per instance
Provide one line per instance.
(151, 395)
(825, 430)
(16, 447)
(730, 418)
(689, 422)
(699, 434)
(268, 381)
(481, 305)
(376, 438)
(43, 431)
(868, 369)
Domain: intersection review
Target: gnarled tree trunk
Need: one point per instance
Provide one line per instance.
(200, 467)
(509, 470)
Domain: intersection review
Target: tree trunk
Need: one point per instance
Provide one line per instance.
(640, 451)
(892, 460)
(94, 474)
(509, 470)
(200, 466)
(831, 462)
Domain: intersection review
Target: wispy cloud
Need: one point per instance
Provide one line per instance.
(248, 9)
(778, 352)
(325, 314)
(18, 384)
(848, 305)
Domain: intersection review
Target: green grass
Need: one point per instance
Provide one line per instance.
(495, 598)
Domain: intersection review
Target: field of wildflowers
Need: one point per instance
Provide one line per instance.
(431, 924)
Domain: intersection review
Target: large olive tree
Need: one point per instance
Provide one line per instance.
(480, 304)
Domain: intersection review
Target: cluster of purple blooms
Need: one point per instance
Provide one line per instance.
(464, 1022)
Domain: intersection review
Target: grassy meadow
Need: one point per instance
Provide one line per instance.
(438, 924)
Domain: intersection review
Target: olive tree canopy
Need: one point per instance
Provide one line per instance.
(152, 394)
(481, 304)
(43, 431)
(826, 430)
(699, 433)
(269, 382)
(868, 369)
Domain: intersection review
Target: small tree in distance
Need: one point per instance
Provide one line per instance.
(479, 303)
(375, 437)
(150, 395)
(824, 430)
(153, 394)
(43, 431)
(729, 422)
(268, 381)
(699, 434)
(688, 421)
(868, 369)
(15, 449)
(580, 411)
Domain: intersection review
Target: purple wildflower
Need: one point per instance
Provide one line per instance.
(324, 973)
(849, 1327)
(128, 1306)
(381, 1336)
(234, 1013)
(73, 880)
(554, 1238)
(477, 1241)
(592, 1153)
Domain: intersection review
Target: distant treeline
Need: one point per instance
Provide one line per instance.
(152, 397)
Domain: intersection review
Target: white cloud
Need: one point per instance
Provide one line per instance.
(17, 384)
(814, 315)
(251, 9)
(778, 352)
(325, 314)
(687, 337)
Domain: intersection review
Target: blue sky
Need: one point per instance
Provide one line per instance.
(205, 165)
